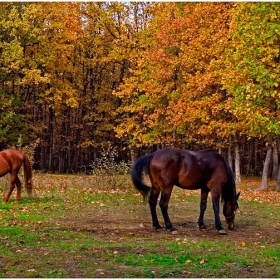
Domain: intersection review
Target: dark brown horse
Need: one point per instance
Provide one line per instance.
(206, 170)
(10, 162)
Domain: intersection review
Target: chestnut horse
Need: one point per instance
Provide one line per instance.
(206, 170)
(10, 162)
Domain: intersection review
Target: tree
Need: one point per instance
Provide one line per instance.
(173, 93)
(141, 76)
(252, 71)
(19, 75)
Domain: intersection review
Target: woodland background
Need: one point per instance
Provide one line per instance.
(80, 81)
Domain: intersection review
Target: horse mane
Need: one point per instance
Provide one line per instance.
(229, 188)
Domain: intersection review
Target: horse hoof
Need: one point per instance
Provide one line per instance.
(202, 228)
(222, 232)
(158, 228)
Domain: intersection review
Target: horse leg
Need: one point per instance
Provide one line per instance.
(12, 186)
(18, 184)
(203, 205)
(164, 199)
(216, 208)
(153, 204)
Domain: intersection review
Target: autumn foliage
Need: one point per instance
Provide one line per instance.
(139, 76)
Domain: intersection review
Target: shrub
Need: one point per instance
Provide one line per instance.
(107, 164)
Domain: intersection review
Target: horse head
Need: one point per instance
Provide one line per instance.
(229, 211)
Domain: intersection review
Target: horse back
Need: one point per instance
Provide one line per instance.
(205, 168)
(10, 160)
(188, 169)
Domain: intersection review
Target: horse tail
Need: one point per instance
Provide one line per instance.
(229, 188)
(142, 165)
(27, 174)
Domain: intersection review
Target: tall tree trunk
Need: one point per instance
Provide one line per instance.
(275, 160)
(132, 155)
(229, 156)
(264, 184)
(50, 139)
(256, 157)
(248, 169)
(277, 188)
(237, 163)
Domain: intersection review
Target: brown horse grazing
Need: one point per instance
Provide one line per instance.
(206, 170)
(10, 162)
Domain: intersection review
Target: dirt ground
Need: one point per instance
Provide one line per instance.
(135, 219)
(132, 224)
(115, 224)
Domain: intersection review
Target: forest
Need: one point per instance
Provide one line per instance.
(80, 80)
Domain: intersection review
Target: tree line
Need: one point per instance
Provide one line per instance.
(76, 78)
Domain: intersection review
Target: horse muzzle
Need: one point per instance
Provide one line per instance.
(231, 223)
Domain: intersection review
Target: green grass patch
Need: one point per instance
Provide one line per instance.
(99, 227)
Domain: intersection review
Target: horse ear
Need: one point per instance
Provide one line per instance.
(237, 196)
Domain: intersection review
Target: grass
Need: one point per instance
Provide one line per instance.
(85, 226)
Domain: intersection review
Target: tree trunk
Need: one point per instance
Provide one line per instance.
(132, 155)
(275, 161)
(229, 156)
(50, 139)
(277, 188)
(237, 164)
(264, 184)
(248, 169)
